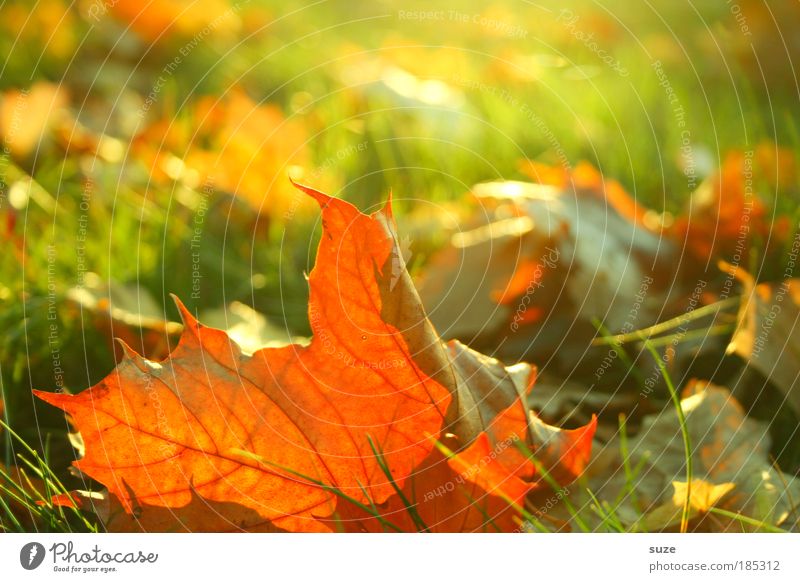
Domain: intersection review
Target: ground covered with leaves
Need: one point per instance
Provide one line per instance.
(495, 268)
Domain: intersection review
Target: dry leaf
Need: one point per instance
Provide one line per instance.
(271, 433)
(127, 312)
(768, 335)
(545, 260)
(702, 497)
(230, 144)
(729, 448)
(484, 486)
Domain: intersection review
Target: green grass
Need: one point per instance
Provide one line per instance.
(26, 503)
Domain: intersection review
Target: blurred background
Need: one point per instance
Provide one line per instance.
(147, 148)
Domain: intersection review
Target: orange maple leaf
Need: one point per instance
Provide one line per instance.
(483, 487)
(213, 422)
(500, 461)
(215, 439)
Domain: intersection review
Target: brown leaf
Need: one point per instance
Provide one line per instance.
(728, 448)
(768, 335)
(539, 262)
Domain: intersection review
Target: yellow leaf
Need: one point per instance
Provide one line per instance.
(703, 495)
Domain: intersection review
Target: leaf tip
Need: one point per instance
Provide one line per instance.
(186, 316)
(41, 394)
(320, 197)
(128, 353)
(387, 208)
(56, 399)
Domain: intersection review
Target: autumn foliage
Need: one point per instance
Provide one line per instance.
(376, 425)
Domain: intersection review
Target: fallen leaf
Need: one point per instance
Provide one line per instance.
(127, 312)
(729, 448)
(702, 497)
(585, 177)
(230, 144)
(591, 225)
(212, 422)
(768, 334)
(444, 500)
(484, 486)
(724, 215)
(501, 469)
(539, 262)
(462, 282)
(229, 427)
